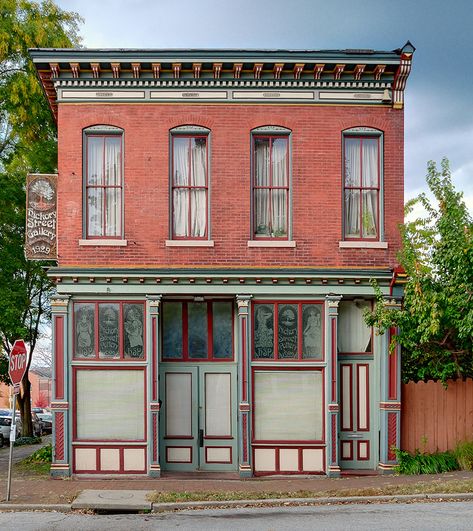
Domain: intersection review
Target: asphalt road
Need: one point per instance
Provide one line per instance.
(418, 516)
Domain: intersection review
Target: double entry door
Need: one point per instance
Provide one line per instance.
(198, 425)
(357, 441)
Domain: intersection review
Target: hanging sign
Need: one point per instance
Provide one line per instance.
(41, 217)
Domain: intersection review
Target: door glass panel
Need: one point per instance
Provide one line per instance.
(222, 330)
(346, 392)
(178, 404)
(264, 331)
(133, 315)
(84, 324)
(312, 331)
(362, 390)
(108, 331)
(217, 405)
(287, 331)
(172, 330)
(197, 326)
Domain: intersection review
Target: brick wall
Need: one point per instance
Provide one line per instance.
(316, 184)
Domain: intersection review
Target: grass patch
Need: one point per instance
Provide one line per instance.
(435, 487)
(464, 455)
(38, 462)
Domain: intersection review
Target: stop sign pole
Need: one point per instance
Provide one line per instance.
(16, 370)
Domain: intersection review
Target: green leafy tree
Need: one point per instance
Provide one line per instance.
(27, 144)
(436, 320)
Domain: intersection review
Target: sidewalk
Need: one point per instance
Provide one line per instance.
(40, 489)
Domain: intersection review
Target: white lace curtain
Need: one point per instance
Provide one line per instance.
(104, 186)
(189, 187)
(361, 175)
(353, 333)
(271, 182)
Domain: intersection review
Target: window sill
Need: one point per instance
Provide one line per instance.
(103, 243)
(190, 243)
(362, 245)
(271, 243)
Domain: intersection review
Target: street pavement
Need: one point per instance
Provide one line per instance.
(418, 516)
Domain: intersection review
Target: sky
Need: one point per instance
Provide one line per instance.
(439, 93)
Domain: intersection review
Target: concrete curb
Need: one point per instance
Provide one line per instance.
(162, 507)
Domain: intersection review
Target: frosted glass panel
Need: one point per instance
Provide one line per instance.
(222, 329)
(84, 330)
(217, 404)
(133, 338)
(178, 404)
(287, 331)
(312, 331)
(172, 330)
(110, 404)
(264, 331)
(108, 331)
(288, 405)
(197, 329)
(353, 333)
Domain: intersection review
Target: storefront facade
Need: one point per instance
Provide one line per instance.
(221, 215)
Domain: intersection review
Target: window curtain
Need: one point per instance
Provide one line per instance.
(353, 333)
(113, 181)
(95, 178)
(279, 197)
(180, 195)
(198, 194)
(370, 180)
(352, 179)
(262, 225)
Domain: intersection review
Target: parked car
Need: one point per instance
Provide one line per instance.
(5, 424)
(47, 420)
(37, 425)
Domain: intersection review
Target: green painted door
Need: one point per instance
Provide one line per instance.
(357, 448)
(198, 429)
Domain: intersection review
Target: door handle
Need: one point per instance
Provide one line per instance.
(201, 438)
(354, 436)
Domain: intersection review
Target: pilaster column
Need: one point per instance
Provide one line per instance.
(153, 306)
(61, 463)
(331, 329)
(244, 438)
(390, 395)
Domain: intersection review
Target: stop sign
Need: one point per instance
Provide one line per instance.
(18, 362)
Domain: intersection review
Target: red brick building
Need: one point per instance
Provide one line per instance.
(220, 216)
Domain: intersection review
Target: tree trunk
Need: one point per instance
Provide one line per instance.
(24, 404)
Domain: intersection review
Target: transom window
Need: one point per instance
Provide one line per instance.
(288, 331)
(109, 330)
(198, 331)
(189, 186)
(361, 187)
(270, 186)
(104, 185)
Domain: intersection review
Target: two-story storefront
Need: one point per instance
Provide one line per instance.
(220, 215)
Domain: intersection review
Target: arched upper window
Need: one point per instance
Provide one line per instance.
(189, 182)
(103, 182)
(271, 182)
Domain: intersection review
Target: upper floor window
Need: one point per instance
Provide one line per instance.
(189, 183)
(270, 183)
(103, 182)
(361, 183)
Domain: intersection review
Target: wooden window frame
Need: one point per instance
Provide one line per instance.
(189, 187)
(373, 136)
(185, 334)
(271, 137)
(104, 135)
(121, 341)
(275, 357)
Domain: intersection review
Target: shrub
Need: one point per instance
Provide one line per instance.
(43, 455)
(22, 441)
(423, 463)
(464, 455)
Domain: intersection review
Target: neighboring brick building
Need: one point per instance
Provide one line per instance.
(220, 216)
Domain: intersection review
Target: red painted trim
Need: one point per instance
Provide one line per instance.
(300, 304)
(59, 356)
(75, 370)
(154, 359)
(334, 439)
(155, 437)
(358, 446)
(392, 435)
(334, 358)
(288, 369)
(121, 342)
(120, 469)
(392, 362)
(179, 462)
(342, 397)
(244, 430)
(219, 462)
(350, 455)
(358, 409)
(244, 379)
(59, 436)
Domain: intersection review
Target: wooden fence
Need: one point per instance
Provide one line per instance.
(435, 418)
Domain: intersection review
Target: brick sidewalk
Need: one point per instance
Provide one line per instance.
(38, 489)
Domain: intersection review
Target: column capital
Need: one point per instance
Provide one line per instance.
(392, 303)
(154, 302)
(59, 303)
(332, 302)
(243, 302)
